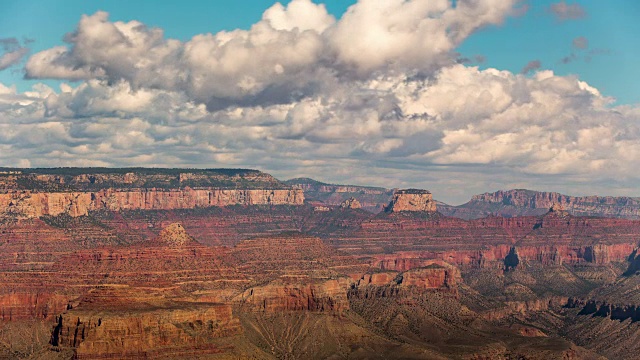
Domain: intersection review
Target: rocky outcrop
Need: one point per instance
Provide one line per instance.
(286, 294)
(351, 203)
(411, 200)
(175, 235)
(433, 276)
(524, 307)
(145, 333)
(28, 204)
(42, 304)
(521, 202)
(605, 309)
(377, 278)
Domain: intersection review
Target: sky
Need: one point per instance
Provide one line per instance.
(459, 97)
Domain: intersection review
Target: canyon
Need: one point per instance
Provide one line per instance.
(216, 264)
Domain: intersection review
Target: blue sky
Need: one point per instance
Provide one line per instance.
(611, 27)
(459, 98)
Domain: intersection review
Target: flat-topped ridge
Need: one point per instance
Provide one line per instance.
(92, 179)
(412, 200)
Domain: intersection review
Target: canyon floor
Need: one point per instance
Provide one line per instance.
(233, 264)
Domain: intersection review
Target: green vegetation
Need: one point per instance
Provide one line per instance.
(95, 179)
(76, 171)
(66, 221)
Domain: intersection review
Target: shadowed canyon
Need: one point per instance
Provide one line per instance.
(235, 264)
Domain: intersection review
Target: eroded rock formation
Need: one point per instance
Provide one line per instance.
(351, 203)
(28, 204)
(411, 200)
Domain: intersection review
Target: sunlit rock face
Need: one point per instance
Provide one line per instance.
(412, 200)
(28, 195)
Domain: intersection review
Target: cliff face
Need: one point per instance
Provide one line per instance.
(28, 204)
(411, 200)
(152, 332)
(527, 202)
(324, 295)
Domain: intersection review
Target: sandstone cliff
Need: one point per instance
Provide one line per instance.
(411, 200)
(30, 204)
(302, 294)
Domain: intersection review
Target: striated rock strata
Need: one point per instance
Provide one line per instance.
(28, 204)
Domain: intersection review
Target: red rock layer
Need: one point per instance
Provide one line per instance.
(122, 333)
(552, 240)
(296, 294)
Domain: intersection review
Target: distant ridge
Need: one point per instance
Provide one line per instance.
(523, 202)
(94, 178)
(372, 199)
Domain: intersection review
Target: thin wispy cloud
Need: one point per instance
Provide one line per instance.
(567, 11)
(12, 52)
(531, 66)
(580, 43)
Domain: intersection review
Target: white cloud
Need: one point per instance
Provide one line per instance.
(12, 57)
(294, 51)
(12, 52)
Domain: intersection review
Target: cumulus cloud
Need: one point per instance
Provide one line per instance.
(13, 52)
(293, 52)
(386, 129)
(563, 11)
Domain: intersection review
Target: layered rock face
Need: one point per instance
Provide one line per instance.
(411, 200)
(27, 204)
(433, 276)
(287, 294)
(145, 333)
(552, 240)
(527, 202)
(76, 192)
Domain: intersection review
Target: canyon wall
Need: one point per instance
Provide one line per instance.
(30, 204)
